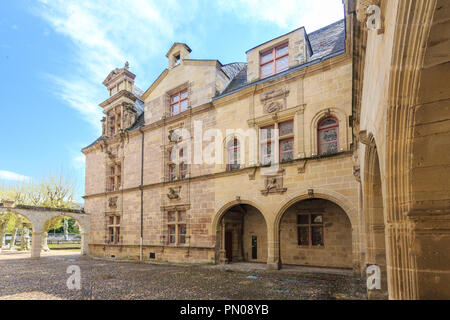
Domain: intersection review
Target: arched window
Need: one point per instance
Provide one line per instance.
(233, 155)
(328, 136)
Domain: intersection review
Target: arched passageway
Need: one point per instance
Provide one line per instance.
(242, 235)
(39, 216)
(316, 232)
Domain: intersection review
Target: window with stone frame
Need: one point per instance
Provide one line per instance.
(114, 117)
(233, 155)
(310, 229)
(285, 142)
(274, 60)
(177, 227)
(114, 229)
(180, 171)
(114, 177)
(328, 136)
(179, 102)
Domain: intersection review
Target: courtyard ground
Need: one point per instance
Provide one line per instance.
(24, 278)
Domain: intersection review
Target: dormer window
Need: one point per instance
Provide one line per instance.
(274, 60)
(179, 102)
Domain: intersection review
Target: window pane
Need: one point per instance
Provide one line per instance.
(303, 219)
(175, 109)
(286, 128)
(175, 98)
(287, 150)
(181, 216)
(184, 94)
(117, 235)
(266, 149)
(172, 236)
(171, 216)
(111, 235)
(111, 220)
(267, 69)
(317, 236)
(266, 57)
(328, 135)
(184, 105)
(328, 122)
(266, 133)
(117, 220)
(303, 236)
(281, 51)
(282, 64)
(329, 148)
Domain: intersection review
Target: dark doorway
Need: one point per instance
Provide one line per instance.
(229, 245)
(254, 247)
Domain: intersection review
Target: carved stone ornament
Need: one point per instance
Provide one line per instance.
(174, 194)
(174, 136)
(357, 173)
(273, 107)
(273, 184)
(112, 202)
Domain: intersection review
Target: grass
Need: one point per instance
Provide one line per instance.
(65, 246)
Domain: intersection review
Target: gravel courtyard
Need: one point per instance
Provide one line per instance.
(22, 278)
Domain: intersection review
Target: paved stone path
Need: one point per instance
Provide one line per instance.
(46, 278)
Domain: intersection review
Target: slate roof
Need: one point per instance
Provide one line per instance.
(325, 42)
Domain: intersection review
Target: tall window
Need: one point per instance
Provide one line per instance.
(233, 155)
(114, 229)
(310, 229)
(177, 171)
(114, 177)
(285, 142)
(328, 136)
(274, 60)
(179, 102)
(176, 221)
(114, 121)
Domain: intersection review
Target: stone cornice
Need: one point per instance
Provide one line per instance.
(247, 171)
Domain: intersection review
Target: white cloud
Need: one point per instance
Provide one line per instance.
(106, 33)
(290, 14)
(12, 176)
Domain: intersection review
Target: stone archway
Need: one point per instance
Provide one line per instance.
(347, 212)
(241, 234)
(39, 215)
(374, 217)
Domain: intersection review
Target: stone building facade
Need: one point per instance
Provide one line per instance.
(282, 159)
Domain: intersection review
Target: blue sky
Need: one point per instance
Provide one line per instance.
(54, 55)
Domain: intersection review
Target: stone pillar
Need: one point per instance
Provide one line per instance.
(273, 247)
(84, 243)
(36, 243)
(222, 253)
(300, 132)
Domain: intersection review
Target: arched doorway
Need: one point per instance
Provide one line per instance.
(242, 235)
(316, 232)
(373, 209)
